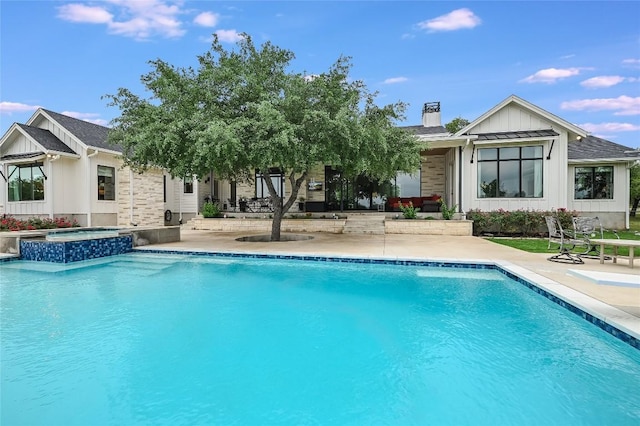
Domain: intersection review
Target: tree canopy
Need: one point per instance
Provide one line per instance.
(243, 109)
(456, 124)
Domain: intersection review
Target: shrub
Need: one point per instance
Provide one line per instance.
(210, 210)
(408, 211)
(9, 223)
(519, 222)
(447, 212)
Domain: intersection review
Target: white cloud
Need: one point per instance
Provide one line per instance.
(551, 75)
(569, 56)
(602, 81)
(605, 128)
(86, 116)
(140, 19)
(207, 19)
(622, 105)
(229, 36)
(395, 80)
(81, 13)
(634, 63)
(9, 108)
(456, 20)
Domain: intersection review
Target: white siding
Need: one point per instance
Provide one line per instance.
(19, 144)
(620, 200)
(60, 133)
(515, 118)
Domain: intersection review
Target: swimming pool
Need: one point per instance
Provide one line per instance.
(167, 339)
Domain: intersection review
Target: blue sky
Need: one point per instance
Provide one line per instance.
(578, 60)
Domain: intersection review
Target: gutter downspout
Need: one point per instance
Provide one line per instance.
(627, 196)
(131, 197)
(89, 210)
(51, 159)
(180, 202)
(460, 209)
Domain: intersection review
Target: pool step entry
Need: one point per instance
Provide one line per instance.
(371, 224)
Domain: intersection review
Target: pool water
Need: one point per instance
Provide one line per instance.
(164, 339)
(74, 235)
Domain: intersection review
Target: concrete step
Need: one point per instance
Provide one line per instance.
(364, 224)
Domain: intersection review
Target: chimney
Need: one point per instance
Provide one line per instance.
(431, 114)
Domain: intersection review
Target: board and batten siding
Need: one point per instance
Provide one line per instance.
(68, 139)
(554, 169)
(612, 213)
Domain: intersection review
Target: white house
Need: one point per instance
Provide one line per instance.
(519, 156)
(514, 156)
(58, 166)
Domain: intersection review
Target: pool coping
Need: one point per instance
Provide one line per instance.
(614, 321)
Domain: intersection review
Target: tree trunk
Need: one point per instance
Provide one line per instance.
(634, 209)
(276, 224)
(279, 209)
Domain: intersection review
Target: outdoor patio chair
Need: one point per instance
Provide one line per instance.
(587, 228)
(567, 242)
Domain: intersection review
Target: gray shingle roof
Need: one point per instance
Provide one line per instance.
(594, 148)
(422, 130)
(517, 135)
(47, 139)
(90, 134)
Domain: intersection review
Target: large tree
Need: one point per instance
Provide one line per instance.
(456, 124)
(243, 110)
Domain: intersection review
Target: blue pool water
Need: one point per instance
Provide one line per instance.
(142, 339)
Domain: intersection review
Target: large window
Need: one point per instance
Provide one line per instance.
(261, 184)
(106, 183)
(407, 184)
(26, 182)
(594, 183)
(514, 172)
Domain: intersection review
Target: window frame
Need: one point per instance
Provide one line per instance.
(509, 160)
(261, 189)
(106, 184)
(17, 168)
(187, 185)
(594, 178)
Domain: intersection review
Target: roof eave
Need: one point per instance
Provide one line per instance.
(603, 160)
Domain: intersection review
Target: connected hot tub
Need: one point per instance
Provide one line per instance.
(72, 245)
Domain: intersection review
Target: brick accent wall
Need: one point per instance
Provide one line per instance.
(432, 175)
(148, 199)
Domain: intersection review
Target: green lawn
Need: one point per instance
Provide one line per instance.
(539, 245)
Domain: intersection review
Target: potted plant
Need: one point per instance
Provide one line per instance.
(301, 204)
(242, 202)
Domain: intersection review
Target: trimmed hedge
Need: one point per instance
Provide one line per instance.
(523, 223)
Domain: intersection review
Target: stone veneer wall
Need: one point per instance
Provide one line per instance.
(148, 198)
(429, 227)
(432, 175)
(335, 226)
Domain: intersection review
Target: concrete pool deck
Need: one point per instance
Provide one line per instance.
(619, 304)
